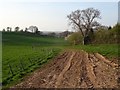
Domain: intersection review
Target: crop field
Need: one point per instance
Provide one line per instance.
(28, 39)
(22, 53)
(23, 60)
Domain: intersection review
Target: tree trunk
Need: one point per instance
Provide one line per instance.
(86, 40)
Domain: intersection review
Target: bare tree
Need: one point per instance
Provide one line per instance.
(26, 29)
(84, 21)
(17, 29)
(34, 29)
(8, 29)
(3, 30)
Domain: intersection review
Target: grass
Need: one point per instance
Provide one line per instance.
(108, 50)
(24, 59)
(24, 52)
(19, 38)
(35, 50)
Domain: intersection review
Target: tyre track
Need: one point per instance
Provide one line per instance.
(60, 77)
(74, 69)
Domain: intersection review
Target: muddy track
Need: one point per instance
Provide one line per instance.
(74, 69)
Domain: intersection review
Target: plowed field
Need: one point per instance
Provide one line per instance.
(74, 69)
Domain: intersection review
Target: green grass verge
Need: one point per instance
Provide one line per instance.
(109, 50)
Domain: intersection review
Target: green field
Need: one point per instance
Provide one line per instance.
(108, 50)
(24, 52)
(30, 39)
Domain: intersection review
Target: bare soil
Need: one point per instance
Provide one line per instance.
(74, 69)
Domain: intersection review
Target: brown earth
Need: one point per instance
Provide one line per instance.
(74, 69)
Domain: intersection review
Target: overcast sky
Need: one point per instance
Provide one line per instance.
(51, 16)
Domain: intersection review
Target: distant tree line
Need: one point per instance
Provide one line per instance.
(102, 35)
(31, 29)
(34, 30)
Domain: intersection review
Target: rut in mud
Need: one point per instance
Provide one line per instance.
(74, 69)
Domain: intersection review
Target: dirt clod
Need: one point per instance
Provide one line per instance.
(74, 69)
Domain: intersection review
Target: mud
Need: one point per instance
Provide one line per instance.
(74, 69)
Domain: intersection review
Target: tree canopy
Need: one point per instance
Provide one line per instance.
(84, 20)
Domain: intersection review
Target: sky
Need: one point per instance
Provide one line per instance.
(51, 16)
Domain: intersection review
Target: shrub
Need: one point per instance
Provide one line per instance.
(75, 38)
(108, 36)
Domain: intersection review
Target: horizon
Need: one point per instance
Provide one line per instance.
(51, 16)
